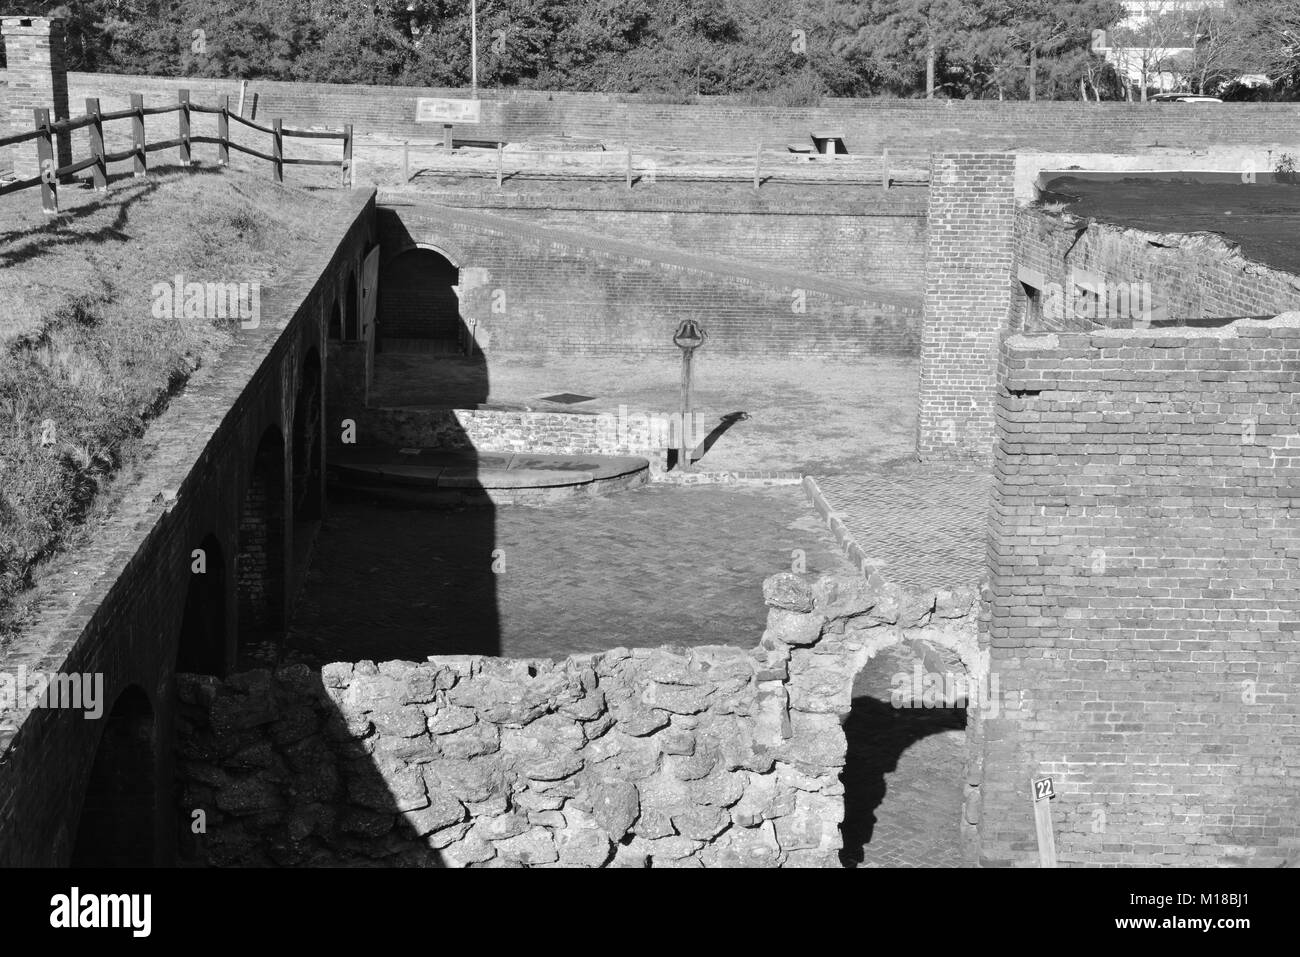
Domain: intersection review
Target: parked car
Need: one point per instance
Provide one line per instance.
(1184, 98)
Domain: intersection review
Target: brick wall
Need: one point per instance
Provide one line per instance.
(530, 292)
(36, 77)
(868, 125)
(880, 242)
(1180, 276)
(969, 257)
(1143, 596)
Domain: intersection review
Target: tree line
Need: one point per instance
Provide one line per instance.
(780, 51)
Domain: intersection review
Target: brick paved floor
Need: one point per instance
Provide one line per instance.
(927, 523)
(645, 567)
(905, 776)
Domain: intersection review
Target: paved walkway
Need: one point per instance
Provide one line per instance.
(926, 523)
(650, 566)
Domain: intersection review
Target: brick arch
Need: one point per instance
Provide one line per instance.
(307, 445)
(352, 308)
(450, 251)
(116, 826)
(419, 298)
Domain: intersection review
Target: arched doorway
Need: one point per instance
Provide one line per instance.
(260, 562)
(202, 645)
(336, 326)
(116, 827)
(419, 309)
(909, 748)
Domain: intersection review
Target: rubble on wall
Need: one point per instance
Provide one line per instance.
(664, 757)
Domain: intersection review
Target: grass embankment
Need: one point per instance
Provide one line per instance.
(85, 363)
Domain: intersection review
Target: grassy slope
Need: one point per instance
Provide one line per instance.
(84, 364)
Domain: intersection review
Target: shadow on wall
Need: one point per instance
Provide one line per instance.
(284, 779)
(418, 306)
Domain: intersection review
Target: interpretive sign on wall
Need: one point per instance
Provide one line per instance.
(434, 110)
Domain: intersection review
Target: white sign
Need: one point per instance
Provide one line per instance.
(431, 110)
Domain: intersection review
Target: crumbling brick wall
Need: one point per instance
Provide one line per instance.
(1143, 596)
(663, 757)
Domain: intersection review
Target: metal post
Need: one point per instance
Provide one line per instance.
(137, 133)
(100, 169)
(223, 132)
(46, 162)
(684, 454)
(277, 149)
(184, 126)
(473, 48)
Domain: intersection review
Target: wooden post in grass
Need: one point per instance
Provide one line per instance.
(137, 133)
(277, 149)
(46, 163)
(347, 178)
(758, 159)
(223, 132)
(884, 169)
(629, 167)
(406, 161)
(501, 153)
(183, 124)
(96, 128)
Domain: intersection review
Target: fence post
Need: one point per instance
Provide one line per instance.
(758, 158)
(884, 169)
(629, 167)
(97, 143)
(183, 117)
(45, 162)
(500, 163)
(277, 149)
(348, 179)
(137, 133)
(406, 161)
(223, 132)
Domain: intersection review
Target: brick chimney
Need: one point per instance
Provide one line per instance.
(37, 77)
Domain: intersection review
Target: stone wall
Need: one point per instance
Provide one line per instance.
(1143, 596)
(666, 757)
(1183, 276)
(868, 125)
(969, 259)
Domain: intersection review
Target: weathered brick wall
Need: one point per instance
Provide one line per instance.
(527, 292)
(969, 256)
(36, 77)
(1143, 596)
(1185, 276)
(665, 757)
(877, 239)
(868, 125)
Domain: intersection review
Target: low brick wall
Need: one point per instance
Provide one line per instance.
(665, 757)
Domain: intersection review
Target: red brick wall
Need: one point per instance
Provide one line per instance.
(1143, 597)
(536, 295)
(868, 125)
(967, 301)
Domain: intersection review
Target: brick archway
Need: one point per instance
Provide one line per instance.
(260, 564)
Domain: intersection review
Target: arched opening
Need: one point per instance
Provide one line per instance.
(335, 327)
(905, 780)
(260, 563)
(352, 314)
(307, 442)
(116, 827)
(202, 645)
(419, 309)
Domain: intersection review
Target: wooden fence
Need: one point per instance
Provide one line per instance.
(642, 166)
(94, 119)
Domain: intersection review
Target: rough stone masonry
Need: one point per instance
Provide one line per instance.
(649, 757)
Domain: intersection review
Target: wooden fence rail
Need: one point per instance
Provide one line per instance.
(45, 132)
